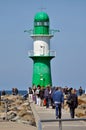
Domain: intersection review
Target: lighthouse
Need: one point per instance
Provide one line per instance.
(41, 53)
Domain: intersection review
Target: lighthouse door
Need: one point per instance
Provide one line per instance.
(42, 50)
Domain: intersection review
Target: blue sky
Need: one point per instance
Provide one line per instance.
(68, 67)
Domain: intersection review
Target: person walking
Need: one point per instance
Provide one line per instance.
(58, 99)
(72, 102)
(46, 96)
(52, 102)
(38, 100)
(41, 93)
(30, 92)
(80, 91)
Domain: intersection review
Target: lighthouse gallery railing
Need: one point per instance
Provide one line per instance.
(36, 53)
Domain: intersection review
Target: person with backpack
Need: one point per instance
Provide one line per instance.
(72, 102)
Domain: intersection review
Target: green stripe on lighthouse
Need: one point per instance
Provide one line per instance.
(42, 71)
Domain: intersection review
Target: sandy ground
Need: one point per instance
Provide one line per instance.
(15, 126)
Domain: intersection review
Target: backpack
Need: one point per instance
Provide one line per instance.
(37, 91)
(72, 101)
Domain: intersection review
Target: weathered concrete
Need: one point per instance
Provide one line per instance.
(15, 126)
(41, 113)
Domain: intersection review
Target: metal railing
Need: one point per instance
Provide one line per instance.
(51, 32)
(60, 122)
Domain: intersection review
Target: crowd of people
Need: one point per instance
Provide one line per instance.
(54, 96)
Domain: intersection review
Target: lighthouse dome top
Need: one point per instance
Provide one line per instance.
(41, 17)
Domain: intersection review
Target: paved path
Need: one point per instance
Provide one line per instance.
(49, 113)
(15, 126)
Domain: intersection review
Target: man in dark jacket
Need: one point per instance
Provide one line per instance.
(58, 99)
(72, 102)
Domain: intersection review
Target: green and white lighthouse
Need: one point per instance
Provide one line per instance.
(41, 53)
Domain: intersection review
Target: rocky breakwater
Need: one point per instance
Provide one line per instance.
(16, 109)
(80, 111)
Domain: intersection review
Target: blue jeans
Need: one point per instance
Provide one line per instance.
(58, 109)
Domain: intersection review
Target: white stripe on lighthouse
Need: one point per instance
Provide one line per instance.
(41, 46)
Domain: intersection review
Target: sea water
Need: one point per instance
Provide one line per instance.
(20, 92)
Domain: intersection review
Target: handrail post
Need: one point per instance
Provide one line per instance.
(60, 125)
(39, 125)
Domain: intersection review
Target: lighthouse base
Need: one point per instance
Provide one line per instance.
(41, 71)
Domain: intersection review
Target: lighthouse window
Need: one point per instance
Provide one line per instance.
(41, 23)
(46, 23)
